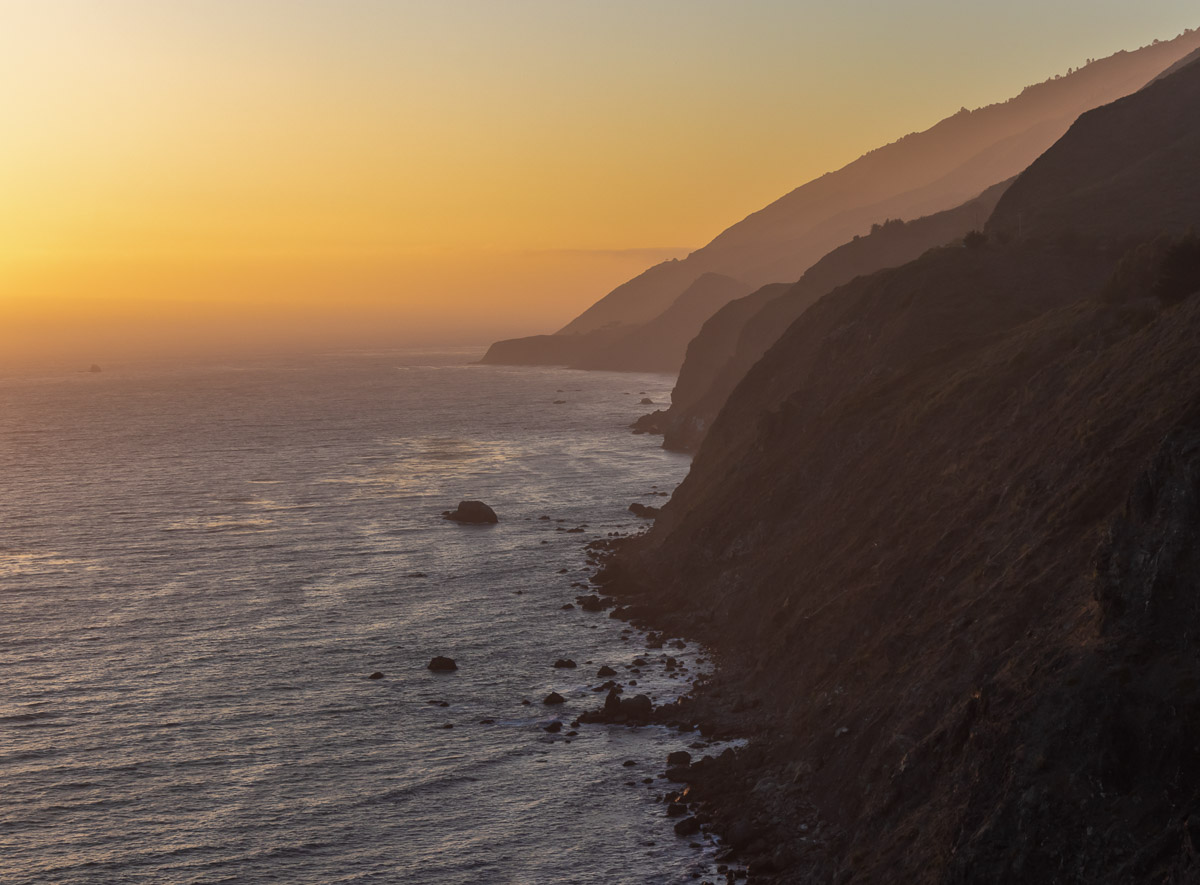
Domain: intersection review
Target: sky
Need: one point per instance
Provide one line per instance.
(199, 175)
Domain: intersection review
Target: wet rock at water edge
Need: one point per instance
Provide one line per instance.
(645, 401)
(643, 511)
(472, 513)
(636, 710)
(554, 698)
(564, 664)
(442, 664)
(689, 826)
(679, 757)
(592, 603)
(606, 671)
(376, 675)
(553, 727)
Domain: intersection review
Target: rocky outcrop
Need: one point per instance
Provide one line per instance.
(472, 513)
(637, 710)
(442, 664)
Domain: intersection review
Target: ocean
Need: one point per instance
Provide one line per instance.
(201, 564)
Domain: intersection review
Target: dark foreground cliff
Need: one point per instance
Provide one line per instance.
(943, 539)
(959, 590)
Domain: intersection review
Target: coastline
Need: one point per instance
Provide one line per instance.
(741, 795)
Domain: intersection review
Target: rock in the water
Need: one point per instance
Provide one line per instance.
(376, 675)
(472, 513)
(689, 826)
(679, 757)
(592, 603)
(564, 664)
(554, 698)
(442, 665)
(643, 511)
(612, 703)
(645, 401)
(676, 809)
(637, 708)
(606, 671)
(553, 727)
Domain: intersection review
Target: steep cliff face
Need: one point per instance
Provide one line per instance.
(731, 342)
(1138, 153)
(894, 550)
(942, 537)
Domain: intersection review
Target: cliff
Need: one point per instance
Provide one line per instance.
(941, 538)
(734, 339)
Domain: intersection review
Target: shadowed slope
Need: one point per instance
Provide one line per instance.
(1126, 170)
(731, 342)
(942, 536)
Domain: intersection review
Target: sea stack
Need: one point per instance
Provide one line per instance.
(472, 513)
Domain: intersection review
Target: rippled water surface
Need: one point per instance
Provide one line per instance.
(201, 564)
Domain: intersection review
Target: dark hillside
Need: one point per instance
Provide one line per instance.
(712, 370)
(1126, 170)
(895, 550)
(942, 537)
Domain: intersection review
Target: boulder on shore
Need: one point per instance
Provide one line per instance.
(472, 513)
(442, 665)
(643, 511)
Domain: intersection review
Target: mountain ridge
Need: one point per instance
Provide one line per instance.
(941, 539)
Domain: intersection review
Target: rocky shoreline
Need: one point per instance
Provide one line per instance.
(744, 796)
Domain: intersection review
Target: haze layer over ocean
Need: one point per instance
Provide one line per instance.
(201, 564)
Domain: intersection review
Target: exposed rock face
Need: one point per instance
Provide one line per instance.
(442, 664)
(942, 538)
(472, 513)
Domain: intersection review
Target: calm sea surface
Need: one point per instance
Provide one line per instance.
(200, 564)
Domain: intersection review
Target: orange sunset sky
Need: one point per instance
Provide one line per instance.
(180, 176)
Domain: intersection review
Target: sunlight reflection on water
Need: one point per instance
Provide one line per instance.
(183, 658)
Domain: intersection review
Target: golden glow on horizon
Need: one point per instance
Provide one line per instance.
(255, 172)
